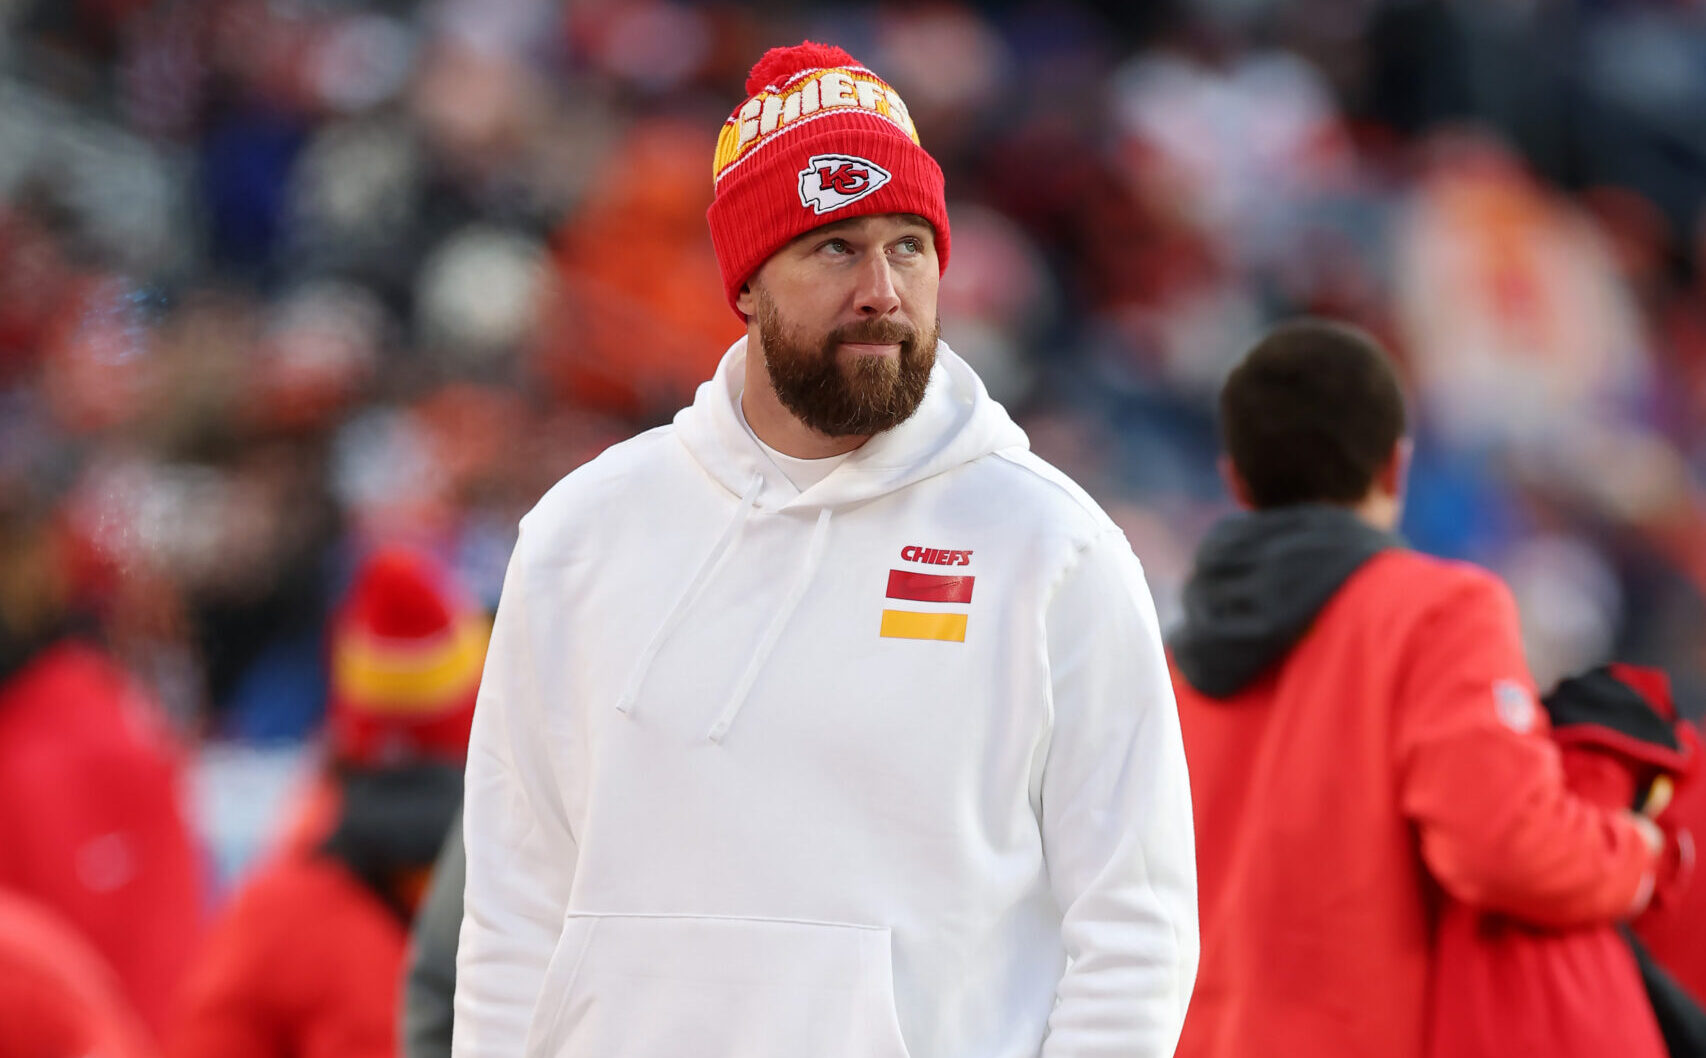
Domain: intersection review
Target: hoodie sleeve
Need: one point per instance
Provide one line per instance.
(520, 851)
(1116, 817)
(1484, 782)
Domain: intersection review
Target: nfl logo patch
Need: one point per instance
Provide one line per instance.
(1516, 708)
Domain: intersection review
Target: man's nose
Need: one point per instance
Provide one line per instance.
(876, 292)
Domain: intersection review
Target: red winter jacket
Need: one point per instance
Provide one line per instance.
(306, 963)
(58, 998)
(1503, 988)
(1395, 750)
(91, 822)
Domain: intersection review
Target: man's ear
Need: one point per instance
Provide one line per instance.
(1395, 475)
(1235, 483)
(746, 301)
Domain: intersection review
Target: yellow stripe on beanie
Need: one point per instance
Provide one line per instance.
(391, 676)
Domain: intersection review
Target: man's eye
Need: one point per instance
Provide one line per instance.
(910, 244)
(837, 246)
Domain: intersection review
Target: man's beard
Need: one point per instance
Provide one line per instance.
(865, 396)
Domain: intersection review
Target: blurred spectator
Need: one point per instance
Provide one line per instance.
(1248, 136)
(307, 960)
(997, 300)
(1540, 338)
(58, 998)
(638, 321)
(91, 781)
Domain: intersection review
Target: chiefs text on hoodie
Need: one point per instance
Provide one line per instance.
(887, 768)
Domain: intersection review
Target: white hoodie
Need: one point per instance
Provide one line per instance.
(732, 794)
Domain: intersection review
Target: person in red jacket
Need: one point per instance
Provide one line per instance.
(91, 782)
(307, 961)
(58, 997)
(1362, 731)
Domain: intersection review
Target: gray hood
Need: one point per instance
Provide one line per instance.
(1259, 580)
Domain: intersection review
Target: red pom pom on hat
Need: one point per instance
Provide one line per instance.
(395, 598)
(779, 64)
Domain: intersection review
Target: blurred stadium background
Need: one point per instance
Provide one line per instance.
(283, 278)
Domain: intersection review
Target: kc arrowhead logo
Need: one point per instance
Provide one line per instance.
(831, 181)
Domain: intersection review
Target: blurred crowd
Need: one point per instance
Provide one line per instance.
(285, 280)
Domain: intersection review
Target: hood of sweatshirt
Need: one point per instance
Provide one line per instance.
(956, 423)
(1259, 581)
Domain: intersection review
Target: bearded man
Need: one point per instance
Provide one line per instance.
(827, 720)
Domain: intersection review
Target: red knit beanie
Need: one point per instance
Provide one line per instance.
(821, 139)
(407, 649)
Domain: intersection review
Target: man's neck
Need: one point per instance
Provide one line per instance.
(1380, 509)
(775, 425)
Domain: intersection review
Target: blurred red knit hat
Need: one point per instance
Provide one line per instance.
(407, 649)
(820, 139)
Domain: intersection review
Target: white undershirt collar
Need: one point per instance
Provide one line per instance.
(802, 473)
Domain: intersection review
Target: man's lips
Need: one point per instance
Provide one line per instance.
(871, 349)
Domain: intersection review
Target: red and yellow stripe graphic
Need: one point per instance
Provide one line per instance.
(926, 587)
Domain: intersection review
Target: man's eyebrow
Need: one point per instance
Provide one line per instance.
(830, 228)
(823, 231)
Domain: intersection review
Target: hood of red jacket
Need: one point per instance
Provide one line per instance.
(1259, 580)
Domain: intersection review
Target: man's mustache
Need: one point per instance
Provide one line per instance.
(875, 332)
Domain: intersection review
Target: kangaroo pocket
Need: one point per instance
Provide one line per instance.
(664, 986)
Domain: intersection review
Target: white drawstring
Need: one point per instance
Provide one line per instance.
(708, 567)
(814, 553)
